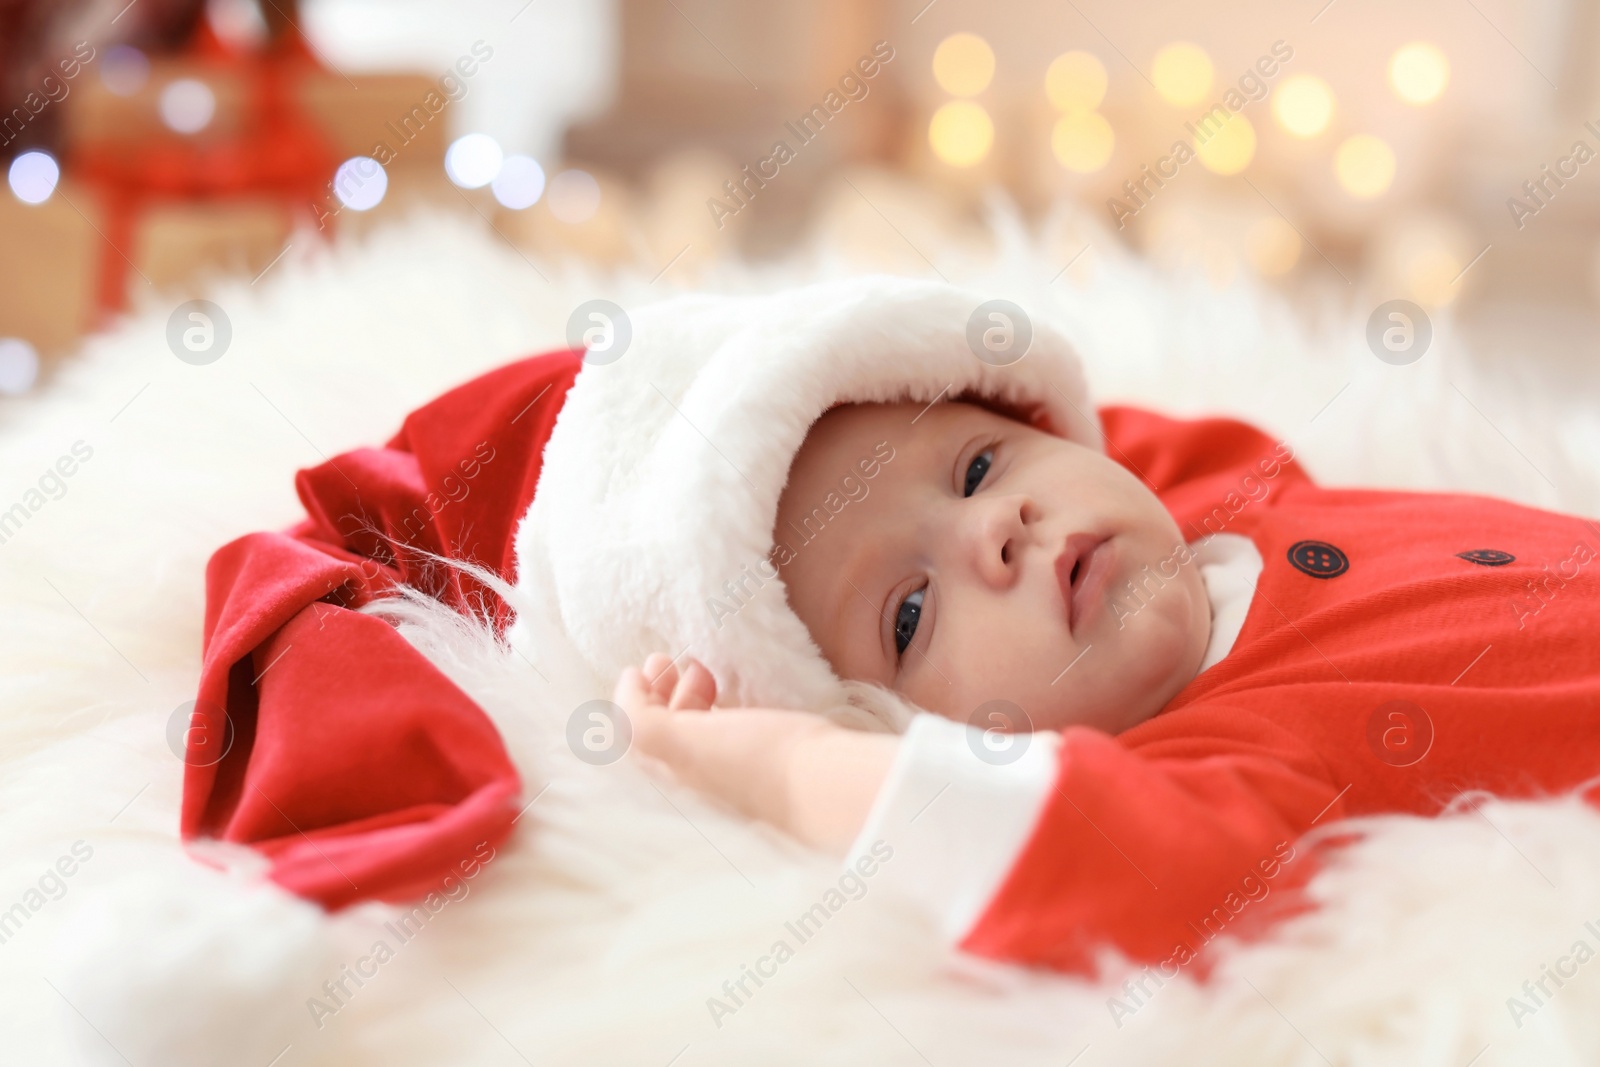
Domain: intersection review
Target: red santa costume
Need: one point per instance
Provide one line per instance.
(1370, 651)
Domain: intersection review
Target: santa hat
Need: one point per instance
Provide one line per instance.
(642, 483)
(652, 526)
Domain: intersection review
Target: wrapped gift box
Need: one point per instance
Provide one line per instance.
(50, 262)
(142, 207)
(47, 262)
(355, 115)
(179, 244)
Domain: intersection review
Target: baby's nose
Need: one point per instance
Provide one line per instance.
(999, 534)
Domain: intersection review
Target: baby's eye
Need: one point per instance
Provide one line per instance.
(976, 470)
(905, 620)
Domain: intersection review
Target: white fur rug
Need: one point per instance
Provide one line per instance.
(620, 906)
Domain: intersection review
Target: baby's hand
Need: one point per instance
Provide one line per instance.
(692, 689)
(793, 769)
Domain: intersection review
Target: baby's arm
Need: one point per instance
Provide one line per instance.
(1083, 840)
(954, 823)
(793, 769)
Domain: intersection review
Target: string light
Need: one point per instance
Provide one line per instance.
(1083, 142)
(472, 161)
(963, 64)
(1364, 165)
(1418, 73)
(1182, 74)
(360, 183)
(19, 366)
(238, 23)
(187, 105)
(519, 184)
(124, 70)
(1303, 105)
(1229, 148)
(33, 177)
(961, 133)
(1076, 81)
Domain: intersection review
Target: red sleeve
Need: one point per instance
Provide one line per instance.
(319, 735)
(1140, 846)
(1193, 464)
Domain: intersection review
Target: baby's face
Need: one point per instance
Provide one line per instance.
(983, 563)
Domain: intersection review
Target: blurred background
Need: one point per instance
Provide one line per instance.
(1440, 151)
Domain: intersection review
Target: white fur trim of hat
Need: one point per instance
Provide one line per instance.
(652, 526)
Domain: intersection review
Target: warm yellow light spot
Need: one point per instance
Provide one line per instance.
(1228, 148)
(1418, 73)
(1273, 246)
(1182, 73)
(1083, 142)
(1303, 105)
(961, 133)
(1432, 276)
(1422, 257)
(1075, 82)
(963, 64)
(1365, 166)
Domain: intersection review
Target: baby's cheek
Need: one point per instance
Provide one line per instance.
(1164, 646)
(1001, 674)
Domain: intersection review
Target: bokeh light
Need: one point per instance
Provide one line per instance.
(520, 183)
(1303, 105)
(1082, 142)
(238, 23)
(360, 183)
(1421, 257)
(1418, 73)
(574, 196)
(963, 64)
(124, 70)
(961, 133)
(1365, 166)
(1076, 81)
(1431, 273)
(33, 177)
(473, 161)
(187, 105)
(1182, 74)
(19, 366)
(1272, 246)
(1230, 148)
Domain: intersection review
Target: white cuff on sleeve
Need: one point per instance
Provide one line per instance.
(956, 809)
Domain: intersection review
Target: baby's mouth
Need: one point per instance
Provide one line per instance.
(1083, 570)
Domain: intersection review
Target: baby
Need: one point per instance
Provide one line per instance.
(980, 567)
(1152, 652)
(1202, 698)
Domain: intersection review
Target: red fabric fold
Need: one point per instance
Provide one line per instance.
(319, 735)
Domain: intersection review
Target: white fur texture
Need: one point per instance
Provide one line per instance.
(662, 477)
(621, 904)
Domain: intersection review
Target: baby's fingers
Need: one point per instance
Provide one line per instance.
(696, 689)
(662, 676)
(631, 691)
